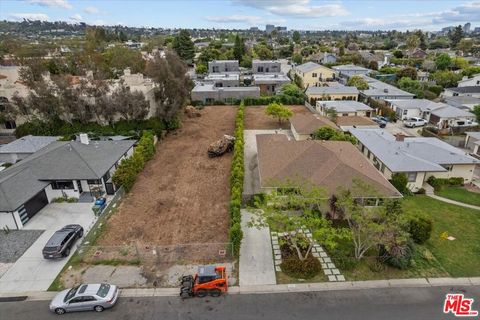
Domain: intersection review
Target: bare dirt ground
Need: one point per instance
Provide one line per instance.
(255, 118)
(182, 195)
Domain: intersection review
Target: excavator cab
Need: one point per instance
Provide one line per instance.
(209, 280)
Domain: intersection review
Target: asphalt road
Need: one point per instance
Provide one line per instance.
(371, 304)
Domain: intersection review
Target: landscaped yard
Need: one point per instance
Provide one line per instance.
(459, 194)
(460, 257)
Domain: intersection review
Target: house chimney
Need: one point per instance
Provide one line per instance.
(399, 137)
(84, 138)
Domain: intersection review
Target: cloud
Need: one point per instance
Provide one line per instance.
(91, 10)
(52, 3)
(29, 16)
(76, 18)
(461, 13)
(296, 8)
(381, 24)
(246, 19)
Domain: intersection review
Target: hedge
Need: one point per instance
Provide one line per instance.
(129, 168)
(236, 182)
(438, 183)
(281, 98)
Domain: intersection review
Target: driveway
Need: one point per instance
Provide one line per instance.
(251, 182)
(399, 128)
(256, 255)
(31, 272)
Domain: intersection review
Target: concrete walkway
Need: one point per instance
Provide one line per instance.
(256, 257)
(453, 202)
(31, 272)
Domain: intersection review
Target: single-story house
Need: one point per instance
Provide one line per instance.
(408, 108)
(418, 157)
(472, 139)
(303, 125)
(462, 102)
(331, 165)
(417, 54)
(467, 91)
(313, 74)
(350, 122)
(208, 93)
(467, 82)
(323, 57)
(21, 148)
(62, 168)
(270, 83)
(380, 90)
(348, 70)
(344, 108)
(447, 116)
(337, 92)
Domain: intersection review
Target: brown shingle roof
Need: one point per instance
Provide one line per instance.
(354, 121)
(327, 164)
(308, 123)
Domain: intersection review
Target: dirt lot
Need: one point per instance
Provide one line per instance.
(182, 195)
(255, 118)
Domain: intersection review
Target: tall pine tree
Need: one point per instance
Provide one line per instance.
(183, 45)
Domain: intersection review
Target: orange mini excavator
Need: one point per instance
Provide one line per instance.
(210, 280)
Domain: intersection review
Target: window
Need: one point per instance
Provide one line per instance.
(61, 185)
(10, 125)
(89, 298)
(411, 176)
(449, 167)
(314, 75)
(103, 290)
(94, 181)
(106, 176)
(76, 300)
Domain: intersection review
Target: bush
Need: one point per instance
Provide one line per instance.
(420, 228)
(399, 256)
(400, 182)
(438, 183)
(297, 269)
(345, 263)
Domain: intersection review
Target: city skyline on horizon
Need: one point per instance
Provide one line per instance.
(244, 14)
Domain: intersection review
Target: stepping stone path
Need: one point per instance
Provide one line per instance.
(329, 268)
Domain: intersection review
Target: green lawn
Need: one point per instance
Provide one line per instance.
(460, 194)
(461, 257)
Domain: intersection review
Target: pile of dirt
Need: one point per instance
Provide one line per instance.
(255, 118)
(182, 195)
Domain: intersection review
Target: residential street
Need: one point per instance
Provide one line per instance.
(393, 303)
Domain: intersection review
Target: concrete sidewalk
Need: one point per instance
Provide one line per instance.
(282, 288)
(256, 257)
(453, 202)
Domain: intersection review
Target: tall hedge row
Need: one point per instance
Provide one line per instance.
(236, 182)
(129, 168)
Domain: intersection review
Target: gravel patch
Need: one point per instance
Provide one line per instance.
(15, 243)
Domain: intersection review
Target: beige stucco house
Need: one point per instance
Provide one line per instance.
(313, 74)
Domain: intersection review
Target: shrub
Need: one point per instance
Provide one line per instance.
(345, 263)
(421, 191)
(400, 182)
(398, 256)
(297, 269)
(420, 228)
(438, 183)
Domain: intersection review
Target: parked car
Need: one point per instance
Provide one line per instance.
(414, 122)
(85, 297)
(62, 241)
(381, 122)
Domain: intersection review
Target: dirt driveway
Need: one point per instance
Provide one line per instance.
(182, 195)
(255, 118)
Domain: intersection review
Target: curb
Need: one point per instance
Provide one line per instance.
(281, 288)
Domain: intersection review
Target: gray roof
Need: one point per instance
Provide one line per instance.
(422, 104)
(27, 144)
(332, 90)
(412, 154)
(466, 89)
(270, 78)
(350, 67)
(60, 160)
(462, 100)
(382, 89)
(452, 112)
(306, 67)
(345, 106)
(475, 134)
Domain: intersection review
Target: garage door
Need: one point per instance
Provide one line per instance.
(32, 206)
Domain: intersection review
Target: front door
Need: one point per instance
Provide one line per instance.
(79, 185)
(109, 188)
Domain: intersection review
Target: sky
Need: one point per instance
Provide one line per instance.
(241, 14)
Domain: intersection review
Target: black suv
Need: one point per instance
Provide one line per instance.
(62, 241)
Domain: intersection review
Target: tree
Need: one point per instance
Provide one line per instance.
(370, 226)
(421, 36)
(262, 52)
(407, 72)
(130, 105)
(172, 85)
(446, 79)
(246, 61)
(412, 42)
(183, 45)
(293, 207)
(332, 114)
(358, 82)
(456, 36)
(398, 54)
(412, 86)
(327, 133)
(238, 48)
(443, 61)
(373, 65)
(465, 45)
(460, 63)
(201, 68)
(476, 112)
(400, 181)
(297, 58)
(296, 37)
(279, 112)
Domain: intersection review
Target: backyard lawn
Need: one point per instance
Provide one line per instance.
(459, 194)
(460, 257)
